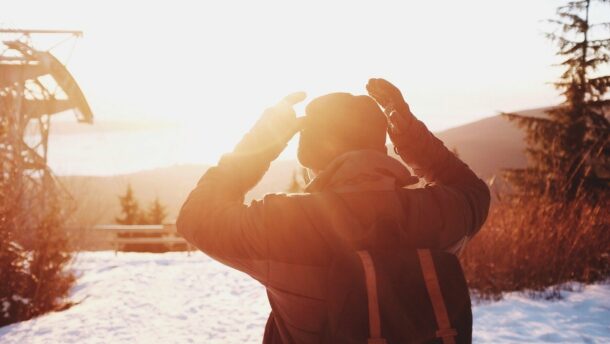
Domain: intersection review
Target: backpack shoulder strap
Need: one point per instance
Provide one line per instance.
(342, 224)
(373, 298)
(445, 331)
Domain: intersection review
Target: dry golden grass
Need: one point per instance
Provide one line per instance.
(532, 244)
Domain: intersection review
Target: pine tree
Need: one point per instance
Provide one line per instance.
(156, 213)
(295, 186)
(568, 150)
(298, 182)
(130, 209)
(34, 246)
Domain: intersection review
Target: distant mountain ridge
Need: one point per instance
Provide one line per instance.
(97, 196)
(490, 144)
(487, 146)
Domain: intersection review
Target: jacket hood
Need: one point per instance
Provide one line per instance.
(362, 170)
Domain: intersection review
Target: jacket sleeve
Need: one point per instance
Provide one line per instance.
(214, 217)
(454, 205)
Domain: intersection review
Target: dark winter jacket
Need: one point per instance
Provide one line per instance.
(280, 240)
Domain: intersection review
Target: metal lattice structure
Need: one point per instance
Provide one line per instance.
(34, 86)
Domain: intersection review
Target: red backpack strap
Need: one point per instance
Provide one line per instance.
(445, 331)
(372, 296)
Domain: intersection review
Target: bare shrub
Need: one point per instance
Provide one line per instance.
(34, 250)
(533, 244)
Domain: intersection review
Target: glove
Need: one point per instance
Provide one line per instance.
(393, 104)
(273, 130)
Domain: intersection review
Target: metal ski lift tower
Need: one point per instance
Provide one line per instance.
(34, 86)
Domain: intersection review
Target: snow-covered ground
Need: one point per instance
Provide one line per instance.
(175, 298)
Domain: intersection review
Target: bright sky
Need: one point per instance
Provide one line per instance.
(215, 65)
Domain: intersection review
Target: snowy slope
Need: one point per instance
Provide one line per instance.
(174, 298)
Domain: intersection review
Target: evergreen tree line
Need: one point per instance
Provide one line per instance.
(133, 214)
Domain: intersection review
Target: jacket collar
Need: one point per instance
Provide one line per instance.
(362, 170)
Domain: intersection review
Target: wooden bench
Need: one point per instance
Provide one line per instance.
(123, 236)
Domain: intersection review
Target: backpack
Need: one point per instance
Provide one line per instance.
(385, 295)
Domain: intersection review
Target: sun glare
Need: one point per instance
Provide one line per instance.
(213, 68)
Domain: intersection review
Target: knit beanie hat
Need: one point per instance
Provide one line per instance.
(337, 123)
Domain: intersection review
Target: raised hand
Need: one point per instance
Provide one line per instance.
(392, 102)
(276, 126)
(281, 120)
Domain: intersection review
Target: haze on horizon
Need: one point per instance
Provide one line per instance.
(213, 67)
